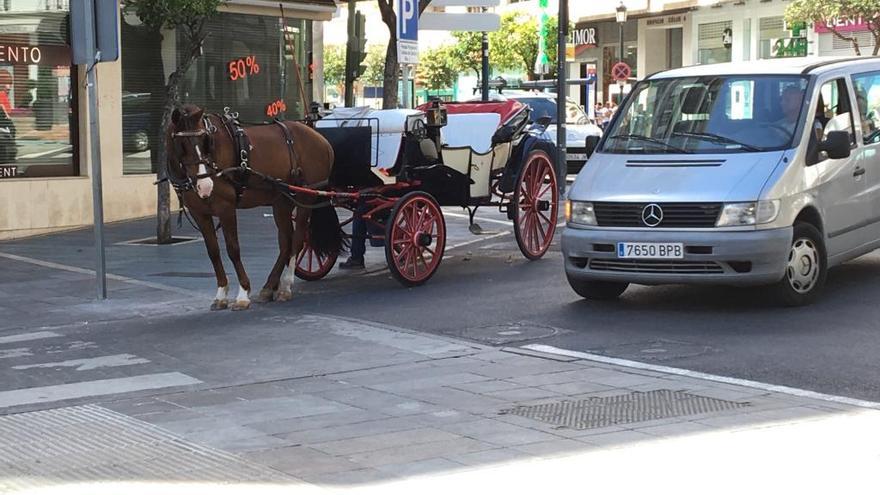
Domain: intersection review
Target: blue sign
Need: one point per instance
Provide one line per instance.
(408, 20)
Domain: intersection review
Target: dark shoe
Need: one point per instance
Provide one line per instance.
(352, 264)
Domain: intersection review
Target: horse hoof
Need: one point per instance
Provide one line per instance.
(283, 296)
(241, 305)
(265, 296)
(219, 305)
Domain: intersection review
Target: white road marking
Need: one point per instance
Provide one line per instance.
(480, 219)
(14, 353)
(87, 364)
(52, 393)
(782, 389)
(111, 276)
(478, 239)
(24, 337)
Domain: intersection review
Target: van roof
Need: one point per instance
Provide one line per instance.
(781, 66)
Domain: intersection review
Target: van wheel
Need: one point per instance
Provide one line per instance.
(806, 267)
(597, 290)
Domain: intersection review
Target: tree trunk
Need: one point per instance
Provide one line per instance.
(390, 76)
(172, 100)
(851, 39)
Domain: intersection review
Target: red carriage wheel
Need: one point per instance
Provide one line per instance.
(536, 205)
(415, 238)
(311, 266)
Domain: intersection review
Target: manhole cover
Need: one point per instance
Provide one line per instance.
(511, 332)
(654, 350)
(634, 407)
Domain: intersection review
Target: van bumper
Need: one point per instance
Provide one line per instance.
(756, 257)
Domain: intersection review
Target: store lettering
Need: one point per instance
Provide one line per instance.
(660, 21)
(21, 54)
(8, 171)
(586, 36)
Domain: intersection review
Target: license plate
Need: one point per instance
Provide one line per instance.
(650, 250)
(576, 157)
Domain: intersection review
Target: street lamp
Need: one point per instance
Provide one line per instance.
(621, 20)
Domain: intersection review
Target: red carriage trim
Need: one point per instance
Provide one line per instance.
(506, 109)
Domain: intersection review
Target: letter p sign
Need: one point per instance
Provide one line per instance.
(407, 20)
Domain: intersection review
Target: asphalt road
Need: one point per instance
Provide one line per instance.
(487, 292)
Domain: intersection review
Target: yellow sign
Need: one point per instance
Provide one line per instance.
(569, 52)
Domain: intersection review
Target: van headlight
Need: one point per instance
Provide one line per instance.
(580, 213)
(744, 214)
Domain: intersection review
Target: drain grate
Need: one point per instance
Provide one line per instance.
(634, 407)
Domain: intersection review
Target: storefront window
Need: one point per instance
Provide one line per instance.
(37, 97)
(249, 65)
(772, 28)
(715, 41)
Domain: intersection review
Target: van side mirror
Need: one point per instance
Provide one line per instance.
(591, 144)
(836, 145)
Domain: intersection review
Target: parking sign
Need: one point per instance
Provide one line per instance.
(407, 31)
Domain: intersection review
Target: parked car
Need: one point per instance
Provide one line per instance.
(757, 173)
(578, 125)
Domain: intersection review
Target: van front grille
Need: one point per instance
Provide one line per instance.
(656, 266)
(675, 215)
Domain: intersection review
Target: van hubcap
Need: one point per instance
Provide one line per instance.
(803, 266)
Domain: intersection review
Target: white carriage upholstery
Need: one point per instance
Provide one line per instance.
(391, 126)
(467, 148)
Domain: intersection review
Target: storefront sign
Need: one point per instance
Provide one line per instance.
(842, 26)
(8, 171)
(242, 67)
(664, 21)
(788, 47)
(585, 37)
(46, 55)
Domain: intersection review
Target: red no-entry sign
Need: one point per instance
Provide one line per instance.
(620, 71)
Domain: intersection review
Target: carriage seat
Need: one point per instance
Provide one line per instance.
(473, 130)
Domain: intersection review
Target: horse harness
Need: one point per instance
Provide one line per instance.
(239, 176)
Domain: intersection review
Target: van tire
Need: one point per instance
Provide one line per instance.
(806, 268)
(597, 290)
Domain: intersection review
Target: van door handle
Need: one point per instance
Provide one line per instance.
(858, 172)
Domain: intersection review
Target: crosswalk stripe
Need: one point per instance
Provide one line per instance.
(24, 337)
(87, 364)
(53, 393)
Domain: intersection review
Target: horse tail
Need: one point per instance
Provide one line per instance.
(325, 234)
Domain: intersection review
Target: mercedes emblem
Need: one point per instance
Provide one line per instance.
(652, 215)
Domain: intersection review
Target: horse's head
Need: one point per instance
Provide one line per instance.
(191, 148)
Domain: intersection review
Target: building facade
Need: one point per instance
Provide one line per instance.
(248, 64)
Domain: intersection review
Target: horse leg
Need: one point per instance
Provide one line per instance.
(299, 239)
(229, 223)
(206, 226)
(277, 280)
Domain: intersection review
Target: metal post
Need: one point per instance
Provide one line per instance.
(485, 74)
(405, 100)
(561, 96)
(620, 83)
(95, 145)
(350, 62)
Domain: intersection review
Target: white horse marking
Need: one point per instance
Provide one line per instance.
(205, 185)
(288, 275)
(222, 293)
(242, 296)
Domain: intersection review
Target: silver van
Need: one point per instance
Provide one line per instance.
(757, 173)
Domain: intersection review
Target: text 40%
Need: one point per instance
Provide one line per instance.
(242, 67)
(275, 108)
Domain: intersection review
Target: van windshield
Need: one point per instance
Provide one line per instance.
(709, 114)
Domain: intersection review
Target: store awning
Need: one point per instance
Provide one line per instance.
(315, 10)
(670, 7)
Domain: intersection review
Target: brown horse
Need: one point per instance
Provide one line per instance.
(208, 164)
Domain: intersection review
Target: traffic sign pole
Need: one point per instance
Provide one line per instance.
(561, 97)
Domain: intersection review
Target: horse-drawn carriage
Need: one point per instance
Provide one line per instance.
(396, 168)
(393, 169)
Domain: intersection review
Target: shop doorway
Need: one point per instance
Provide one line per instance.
(664, 49)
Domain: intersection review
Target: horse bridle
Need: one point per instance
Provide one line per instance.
(205, 136)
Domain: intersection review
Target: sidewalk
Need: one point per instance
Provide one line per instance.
(387, 410)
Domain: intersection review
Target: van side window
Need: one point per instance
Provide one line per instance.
(833, 110)
(867, 89)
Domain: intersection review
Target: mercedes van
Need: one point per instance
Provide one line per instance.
(753, 173)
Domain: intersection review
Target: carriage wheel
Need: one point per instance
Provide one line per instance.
(415, 238)
(311, 266)
(536, 205)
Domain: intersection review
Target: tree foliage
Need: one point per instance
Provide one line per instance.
(334, 65)
(190, 17)
(439, 68)
(375, 63)
(825, 12)
(389, 79)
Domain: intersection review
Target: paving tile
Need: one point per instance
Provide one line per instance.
(378, 401)
(521, 394)
(576, 388)
(317, 422)
(447, 449)
(236, 439)
(500, 433)
(301, 461)
(450, 398)
(384, 440)
(141, 406)
(484, 386)
(618, 438)
(679, 429)
(346, 478)
(492, 457)
(403, 384)
(435, 466)
(354, 430)
(554, 448)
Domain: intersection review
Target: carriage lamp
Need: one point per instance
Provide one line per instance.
(580, 213)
